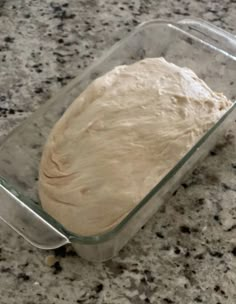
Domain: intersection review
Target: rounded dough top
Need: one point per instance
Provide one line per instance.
(119, 138)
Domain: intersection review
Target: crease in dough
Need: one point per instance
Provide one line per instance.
(119, 138)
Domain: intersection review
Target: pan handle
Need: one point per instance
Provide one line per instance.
(210, 34)
(28, 222)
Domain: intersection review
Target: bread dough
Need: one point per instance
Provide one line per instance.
(119, 138)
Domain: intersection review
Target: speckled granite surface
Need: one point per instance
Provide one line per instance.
(187, 252)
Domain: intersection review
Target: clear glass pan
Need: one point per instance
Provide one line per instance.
(209, 51)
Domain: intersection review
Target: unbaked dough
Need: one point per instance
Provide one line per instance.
(119, 138)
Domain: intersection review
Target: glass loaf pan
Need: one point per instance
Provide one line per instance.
(207, 50)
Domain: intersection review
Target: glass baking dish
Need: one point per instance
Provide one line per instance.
(195, 44)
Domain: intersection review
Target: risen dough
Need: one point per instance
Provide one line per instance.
(119, 138)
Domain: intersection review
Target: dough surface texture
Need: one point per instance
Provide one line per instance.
(119, 138)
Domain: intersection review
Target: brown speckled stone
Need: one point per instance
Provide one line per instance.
(186, 253)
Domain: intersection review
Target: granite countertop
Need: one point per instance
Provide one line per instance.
(187, 252)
